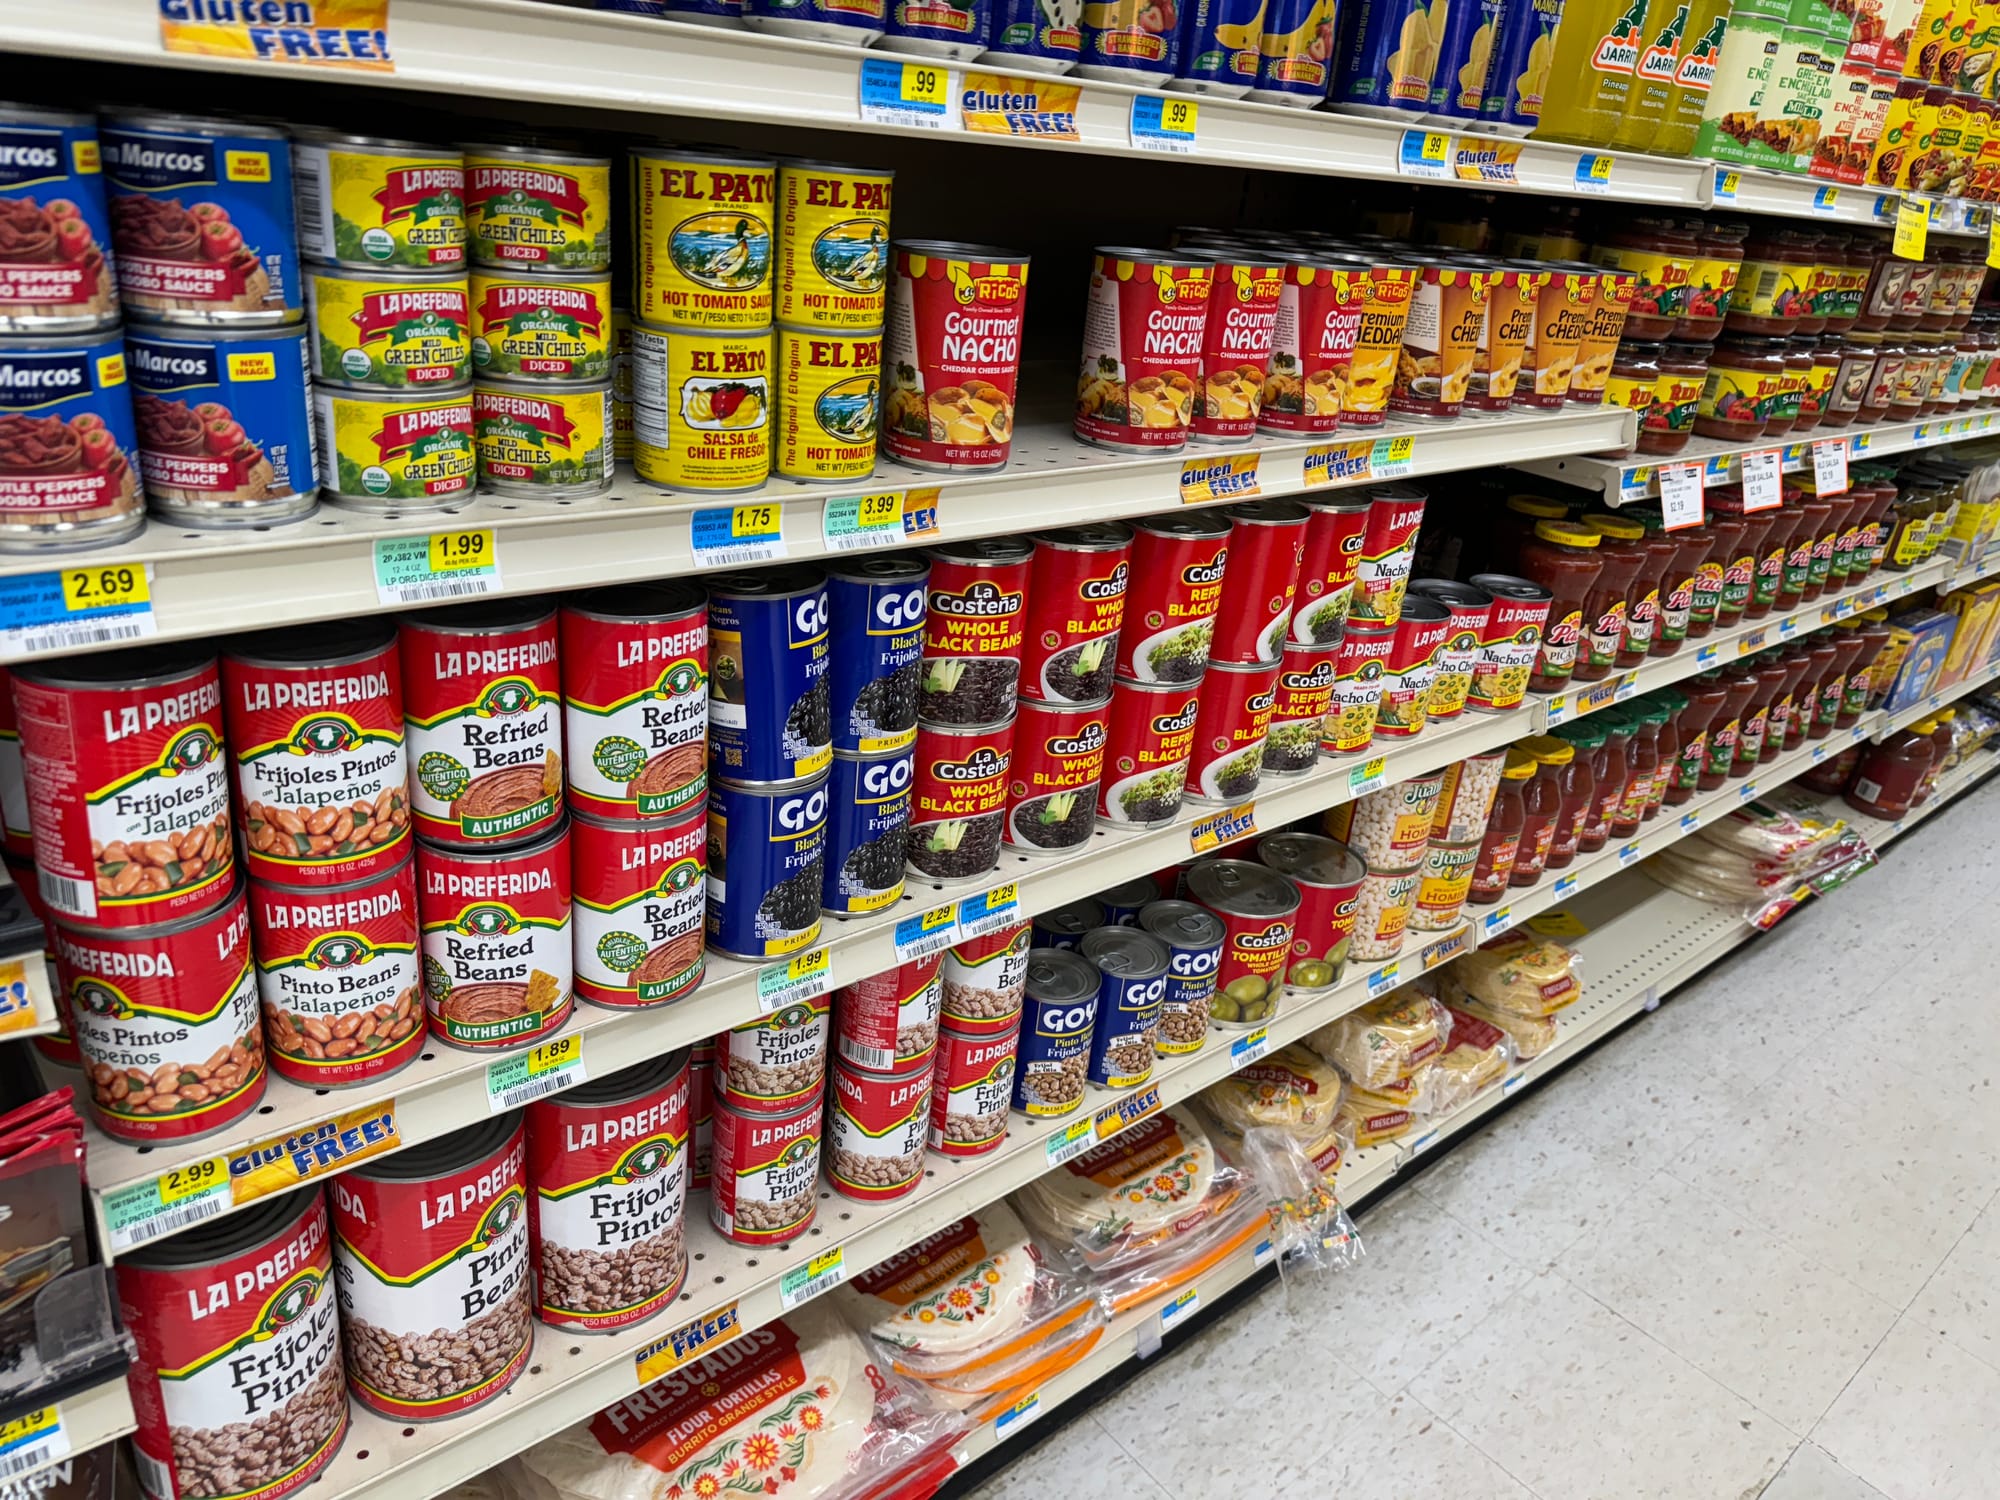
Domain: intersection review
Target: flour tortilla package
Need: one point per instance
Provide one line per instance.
(1531, 1036)
(1523, 973)
(1294, 1090)
(1478, 1057)
(1310, 1232)
(1389, 1040)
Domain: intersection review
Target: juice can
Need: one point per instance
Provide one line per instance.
(1512, 102)
(1595, 58)
(829, 406)
(528, 206)
(1035, 36)
(701, 409)
(1465, 55)
(849, 23)
(701, 238)
(1389, 57)
(1220, 47)
(1144, 326)
(954, 29)
(1295, 59)
(833, 243)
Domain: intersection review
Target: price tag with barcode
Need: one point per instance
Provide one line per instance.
(1369, 776)
(1392, 458)
(1593, 173)
(1424, 153)
(912, 95)
(1164, 123)
(822, 1273)
(1681, 495)
(1830, 467)
(31, 1440)
(730, 536)
(927, 932)
(43, 612)
(178, 1198)
(979, 915)
(1245, 1050)
(555, 1065)
(1072, 1140)
(854, 523)
(1763, 480)
(790, 981)
(441, 567)
(1384, 979)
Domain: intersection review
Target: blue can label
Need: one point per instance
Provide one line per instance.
(1121, 1041)
(203, 225)
(867, 827)
(853, 15)
(1520, 69)
(766, 851)
(940, 20)
(57, 265)
(67, 443)
(1220, 39)
(877, 669)
(223, 420)
(1297, 49)
(767, 687)
(1389, 56)
(1132, 36)
(1049, 29)
(1053, 1057)
(1465, 58)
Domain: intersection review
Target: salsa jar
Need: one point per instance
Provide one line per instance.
(1561, 557)
(1633, 384)
(1668, 422)
(1744, 384)
(1661, 254)
(1774, 290)
(1712, 279)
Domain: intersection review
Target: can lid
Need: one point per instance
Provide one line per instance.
(1181, 924)
(1398, 494)
(960, 250)
(1136, 892)
(1343, 499)
(1566, 534)
(135, 668)
(895, 568)
(1312, 858)
(445, 1154)
(629, 1083)
(1450, 591)
(1126, 953)
(1095, 536)
(1200, 523)
(768, 583)
(1507, 586)
(489, 616)
(1242, 889)
(1268, 512)
(1076, 917)
(1615, 526)
(1155, 257)
(1060, 976)
(315, 645)
(1424, 610)
(995, 551)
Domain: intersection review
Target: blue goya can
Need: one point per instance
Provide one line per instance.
(1065, 926)
(1465, 59)
(1057, 1018)
(1130, 41)
(852, 23)
(766, 851)
(1123, 902)
(1193, 936)
(225, 423)
(768, 643)
(201, 220)
(59, 276)
(1035, 36)
(1295, 57)
(701, 12)
(867, 826)
(876, 609)
(1133, 965)
(1382, 58)
(1220, 46)
(1523, 24)
(955, 29)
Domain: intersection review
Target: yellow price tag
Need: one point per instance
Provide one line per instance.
(455, 550)
(192, 1180)
(29, 1426)
(1600, 167)
(98, 588)
(1993, 241)
(1436, 147)
(753, 521)
(1558, 923)
(880, 510)
(1913, 215)
(1374, 767)
(1727, 185)
(1178, 116)
(559, 1053)
(924, 83)
(1003, 895)
(1400, 449)
(808, 965)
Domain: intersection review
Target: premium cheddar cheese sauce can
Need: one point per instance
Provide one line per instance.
(829, 404)
(368, 202)
(833, 244)
(701, 238)
(701, 409)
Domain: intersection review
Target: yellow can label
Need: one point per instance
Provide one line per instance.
(829, 402)
(396, 448)
(701, 236)
(833, 246)
(541, 328)
(701, 409)
(554, 216)
(391, 334)
(361, 208)
(552, 442)
(621, 384)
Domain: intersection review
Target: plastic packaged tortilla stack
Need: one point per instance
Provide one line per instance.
(1477, 1059)
(1517, 983)
(1387, 1044)
(1293, 1090)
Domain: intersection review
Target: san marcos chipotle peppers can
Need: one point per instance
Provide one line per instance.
(69, 448)
(1267, 539)
(368, 202)
(640, 893)
(1143, 328)
(1053, 779)
(531, 206)
(1173, 589)
(1076, 606)
(1230, 729)
(974, 631)
(1146, 757)
(1259, 909)
(958, 802)
(955, 314)
(635, 699)
(59, 277)
(1236, 348)
(766, 867)
(770, 642)
(701, 238)
(386, 330)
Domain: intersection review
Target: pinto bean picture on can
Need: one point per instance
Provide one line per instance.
(541, 327)
(701, 409)
(833, 243)
(1266, 545)
(765, 1186)
(1152, 732)
(958, 802)
(1133, 965)
(769, 646)
(971, 1092)
(545, 444)
(701, 238)
(1052, 786)
(954, 353)
(386, 330)
(1173, 590)
(635, 699)
(368, 202)
(974, 631)
(69, 448)
(766, 868)
(496, 941)
(1231, 725)
(60, 277)
(1312, 350)
(876, 1128)
(1193, 938)
(383, 450)
(877, 608)
(1076, 606)
(1236, 348)
(888, 1023)
(829, 404)
(984, 981)
(867, 832)
(529, 206)
(1143, 329)
(639, 897)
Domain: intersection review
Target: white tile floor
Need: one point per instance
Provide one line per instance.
(1750, 1248)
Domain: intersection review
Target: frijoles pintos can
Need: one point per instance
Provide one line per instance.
(1173, 589)
(955, 314)
(337, 969)
(1146, 757)
(1052, 779)
(833, 244)
(316, 731)
(1236, 349)
(215, 1419)
(485, 723)
(829, 383)
(765, 1185)
(1259, 909)
(958, 801)
(1049, 1069)
(889, 1022)
(876, 1125)
(1231, 724)
(128, 785)
(607, 1196)
(985, 979)
(1143, 326)
(1312, 352)
(971, 1092)
(975, 626)
(1133, 968)
(1076, 605)
(166, 1019)
(1327, 568)
(496, 941)
(640, 894)
(635, 699)
(701, 238)
(530, 206)
(1266, 542)
(434, 1272)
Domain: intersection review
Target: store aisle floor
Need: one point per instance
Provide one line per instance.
(1749, 1248)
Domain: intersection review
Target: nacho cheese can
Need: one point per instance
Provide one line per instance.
(545, 443)
(1236, 349)
(541, 327)
(386, 330)
(391, 451)
(639, 893)
(954, 349)
(829, 404)
(366, 202)
(529, 207)
(1143, 329)
(1312, 350)
(496, 941)
(635, 699)
(701, 238)
(701, 409)
(833, 244)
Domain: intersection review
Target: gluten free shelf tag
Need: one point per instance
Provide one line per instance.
(97, 606)
(349, 34)
(555, 1065)
(444, 566)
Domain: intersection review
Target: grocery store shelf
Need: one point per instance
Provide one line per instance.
(1944, 697)
(1748, 190)
(81, 1421)
(1971, 772)
(473, 49)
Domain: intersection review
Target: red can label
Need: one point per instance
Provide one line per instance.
(974, 628)
(1387, 547)
(776, 1063)
(702, 1064)
(1327, 569)
(496, 939)
(888, 1023)
(985, 981)
(320, 771)
(1076, 604)
(607, 1203)
(128, 796)
(876, 1127)
(1253, 948)
(1298, 715)
(971, 1092)
(1256, 609)
(1175, 589)
(1142, 342)
(1230, 728)
(1312, 353)
(14, 833)
(1357, 691)
(1236, 349)
(1321, 932)
(1412, 669)
(635, 711)
(954, 341)
(485, 732)
(167, 1023)
(641, 893)
(439, 1266)
(1052, 786)
(1146, 757)
(236, 1380)
(766, 1181)
(338, 973)
(958, 800)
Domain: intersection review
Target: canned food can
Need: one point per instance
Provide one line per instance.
(1599, 346)
(765, 1186)
(1231, 724)
(337, 970)
(1328, 876)
(1447, 322)
(1383, 913)
(368, 202)
(1514, 295)
(888, 1022)
(1218, 48)
(1518, 72)
(1193, 936)
(1388, 546)
(1075, 608)
(694, 12)
(768, 715)
(1061, 1001)
(1064, 926)
(1258, 909)
(530, 206)
(877, 611)
(1509, 644)
(1471, 610)
(1313, 342)
(1146, 757)
(186, 1343)
(984, 982)
(771, 1065)
(128, 784)
(876, 1125)
(1052, 789)
(1266, 544)
(1412, 668)
(540, 327)
(1356, 704)
(1173, 589)
(59, 276)
(955, 314)
(409, 1275)
(1327, 568)
(1133, 967)
(69, 448)
(1446, 878)
(1298, 713)
(958, 809)
(1144, 323)
(608, 1167)
(1295, 61)
(1378, 345)
(1465, 798)
(167, 1022)
(635, 699)
(1241, 330)
(1389, 828)
(1562, 318)
(975, 629)
(1390, 57)
(484, 718)
(971, 1091)
(639, 892)
(1123, 902)
(15, 837)
(701, 238)
(847, 23)
(833, 220)
(383, 450)
(954, 29)
(1035, 36)
(766, 858)
(621, 385)
(387, 330)
(498, 970)
(543, 443)
(829, 383)
(868, 829)
(701, 409)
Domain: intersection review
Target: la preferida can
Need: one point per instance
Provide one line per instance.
(639, 899)
(701, 238)
(369, 202)
(954, 351)
(1142, 346)
(384, 450)
(970, 1091)
(498, 969)
(833, 244)
(195, 1303)
(541, 326)
(876, 1125)
(889, 1021)
(543, 442)
(771, 1065)
(387, 330)
(701, 409)
(128, 784)
(635, 699)
(434, 1259)
(985, 979)
(829, 407)
(608, 1167)
(529, 206)
(765, 1183)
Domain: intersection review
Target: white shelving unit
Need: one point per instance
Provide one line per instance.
(1749, 190)
(98, 1414)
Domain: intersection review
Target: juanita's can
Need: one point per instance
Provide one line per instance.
(1312, 352)
(640, 892)
(1146, 757)
(1076, 604)
(1142, 349)
(974, 631)
(1236, 348)
(833, 222)
(530, 206)
(959, 801)
(701, 238)
(955, 314)
(496, 941)
(1266, 542)
(1052, 781)
(635, 699)
(1173, 589)
(1230, 728)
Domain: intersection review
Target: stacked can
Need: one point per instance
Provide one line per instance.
(1193, 938)
(1310, 670)
(1134, 967)
(769, 1091)
(1246, 656)
(1458, 828)
(1390, 830)
(876, 617)
(1328, 876)
(382, 229)
(1377, 651)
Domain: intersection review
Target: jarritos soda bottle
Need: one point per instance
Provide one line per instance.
(1592, 70)
(1653, 77)
(1694, 76)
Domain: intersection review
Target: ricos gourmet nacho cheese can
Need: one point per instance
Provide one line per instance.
(829, 404)
(954, 354)
(1312, 350)
(635, 699)
(395, 451)
(541, 326)
(833, 244)
(701, 409)
(701, 238)
(527, 206)
(1236, 348)
(386, 330)
(367, 202)
(1142, 349)
(496, 941)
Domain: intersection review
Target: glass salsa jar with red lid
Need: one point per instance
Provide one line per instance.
(1622, 551)
(1661, 254)
(1669, 422)
(1712, 280)
(1563, 558)
(1746, 377)
(1501, 843)
(1774, 290)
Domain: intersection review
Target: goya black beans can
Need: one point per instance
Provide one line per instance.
(1124, 901)
(766, 855)
(1056, 1024)
(769, 650)
(1133, 965)
(1066, 925)
(973, 629)
(867, 832)
(876, 611)
(1193, 938)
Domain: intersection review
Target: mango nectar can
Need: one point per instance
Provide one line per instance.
(543, 442)
(701, 238)
(829, 404)
(833, 244)
(701, 409)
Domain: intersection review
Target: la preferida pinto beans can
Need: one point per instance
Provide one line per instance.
(52, 180)
(211, 1420)
(701, 238)
(971, 1091)
(528, 205)
(765, 1183)
(543, 443)
(701, 409)
(1142, 349)
(128, 784)
(384, 450)
(833, 244)
(888, 1023)
(1173, 589)
(386, 330)
(496, 941)
(829, 383)
(953, 353)
(985, 979)
(1076, 607)
(541, 327)
(435, 1271)
(368, 202)
(608, 1167)
(876, 1127)
(640, 896)
(635, 699)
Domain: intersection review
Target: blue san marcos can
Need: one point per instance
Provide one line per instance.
(955, 29)
(1133, 967)
(867, 827)
(766, 854)
(877, 612)
(769, 649)
(851, 23)
(58, 276)
(1465, 59)
(1220, 45)
(1057, 1017)
(1295, 63)
(1035, 36)
(1130, 41)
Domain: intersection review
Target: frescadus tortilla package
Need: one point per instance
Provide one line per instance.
(1477, 1059)
(1529, 975)
(1293, 1090)
(1387, 1041)
(1530, 1035)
